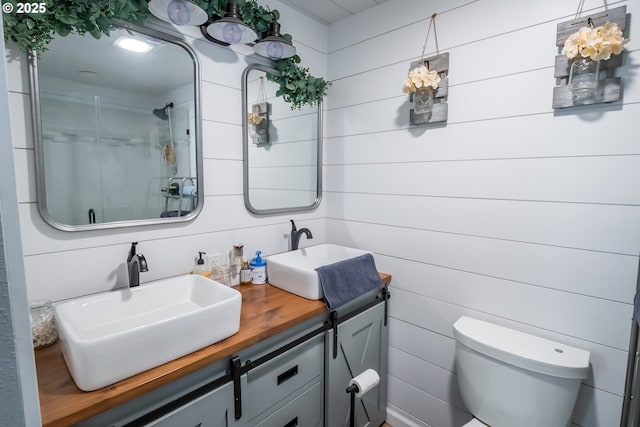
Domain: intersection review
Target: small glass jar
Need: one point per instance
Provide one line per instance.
(43, 323)
(221, 274)
(423, 100)
(583, 80)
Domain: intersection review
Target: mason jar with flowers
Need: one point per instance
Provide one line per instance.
(586, 48)
(421, 82)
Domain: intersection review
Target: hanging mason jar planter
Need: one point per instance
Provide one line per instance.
(583, 80)
(423, 100)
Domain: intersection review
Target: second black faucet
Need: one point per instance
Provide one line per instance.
(296, 234)
(136, 263)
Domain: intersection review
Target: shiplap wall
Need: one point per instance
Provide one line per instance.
(511, 213)
(61, 265)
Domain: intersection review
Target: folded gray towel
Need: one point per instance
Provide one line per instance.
(345, 280)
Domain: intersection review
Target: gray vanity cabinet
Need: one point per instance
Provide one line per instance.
(361, 344)
(214, 409)
(290, 379)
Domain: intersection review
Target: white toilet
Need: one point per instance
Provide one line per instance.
(509, 378)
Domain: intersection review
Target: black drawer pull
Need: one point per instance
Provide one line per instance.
(285, 376)
(292, 423)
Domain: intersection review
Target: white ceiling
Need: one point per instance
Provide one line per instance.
(330, 11)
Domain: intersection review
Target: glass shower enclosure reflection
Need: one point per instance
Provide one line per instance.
(119, 160)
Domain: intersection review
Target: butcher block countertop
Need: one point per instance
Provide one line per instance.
(266, 311)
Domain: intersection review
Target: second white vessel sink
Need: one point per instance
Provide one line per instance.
(294, 271)
(111, 336)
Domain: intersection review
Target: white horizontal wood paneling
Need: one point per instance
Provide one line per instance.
(597, 227)
(284, 154)
(489, 62)
(222, 177)
(476, 22)
(570, 179)
(221, 140)
(221, 103)
(428, 409)
(299, 178)
(596, 408)
(434, 380)
(511, 212)
(21, 123)
(521, 94)
(220, 214)
(421, 342)
(540, 135)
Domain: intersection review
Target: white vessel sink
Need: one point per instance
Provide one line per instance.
(111, 336)
(294, 271)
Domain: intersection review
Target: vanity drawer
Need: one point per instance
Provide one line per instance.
(303, 411)
(278, 378)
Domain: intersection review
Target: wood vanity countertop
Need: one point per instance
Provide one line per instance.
(266, 311)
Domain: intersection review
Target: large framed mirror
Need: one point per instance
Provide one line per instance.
(117, 130)
(282, 148)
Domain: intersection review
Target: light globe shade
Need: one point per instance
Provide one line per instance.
(178, 12)
(231, 31)
(274, 46)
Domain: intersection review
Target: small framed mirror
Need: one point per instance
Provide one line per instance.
(117, 130)
(282, 148)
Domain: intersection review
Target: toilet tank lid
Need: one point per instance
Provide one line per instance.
(521, 349)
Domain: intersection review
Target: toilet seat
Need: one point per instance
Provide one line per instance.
(475, 423)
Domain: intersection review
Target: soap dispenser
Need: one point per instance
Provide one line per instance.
(258, 270)
(200, 267)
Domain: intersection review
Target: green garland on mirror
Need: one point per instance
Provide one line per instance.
(34, 31)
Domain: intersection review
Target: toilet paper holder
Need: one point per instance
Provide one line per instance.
(358, 387)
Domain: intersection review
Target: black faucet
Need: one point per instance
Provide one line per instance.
(136, 263)
(296, 234)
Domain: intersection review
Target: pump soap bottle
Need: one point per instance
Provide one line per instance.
(258, 270)
(200, 268)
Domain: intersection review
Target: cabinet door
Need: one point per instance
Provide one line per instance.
(214, 409)
(362, 344)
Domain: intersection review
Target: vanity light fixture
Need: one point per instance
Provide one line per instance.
(230, 29)
(178, 12)
(274, 46)
(133, 44)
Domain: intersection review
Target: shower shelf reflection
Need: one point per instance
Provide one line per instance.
(182, 190)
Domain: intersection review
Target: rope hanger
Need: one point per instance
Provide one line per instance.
(581, 6)
(432, 22)
(262, 94)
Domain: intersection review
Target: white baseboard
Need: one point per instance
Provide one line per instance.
(398, 418)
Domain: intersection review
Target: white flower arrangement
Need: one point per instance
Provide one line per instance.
(596, 43)
(254, 119)
(421, 77)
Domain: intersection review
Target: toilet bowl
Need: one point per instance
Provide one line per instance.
(509, 378)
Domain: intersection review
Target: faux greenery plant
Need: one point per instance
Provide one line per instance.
(34, 31)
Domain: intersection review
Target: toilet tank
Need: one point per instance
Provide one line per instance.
(509, 378)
